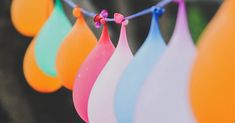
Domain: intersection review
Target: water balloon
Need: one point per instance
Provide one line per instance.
(28, 16)
(134, 75)
(213, 87)
(50, 38)
(74, 50)
(101, 100)
(164, 97)
(89, 71)
(35, 77)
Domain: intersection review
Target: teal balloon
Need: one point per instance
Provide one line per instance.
(50, 38)
(137, 71)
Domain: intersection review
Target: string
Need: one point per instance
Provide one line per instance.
(161, 4)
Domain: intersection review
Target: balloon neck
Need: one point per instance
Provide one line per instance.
(154, 27)
(80, 22)
(77, 13)
(105, 35)
(123, 38)
(182, 21)
(58, 3)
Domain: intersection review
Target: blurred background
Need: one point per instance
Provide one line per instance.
(20, 104)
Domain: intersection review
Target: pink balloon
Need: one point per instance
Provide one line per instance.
(164, 97)
(101, 100)
(89, 72)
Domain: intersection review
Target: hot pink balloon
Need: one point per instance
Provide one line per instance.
(101, 100)
(164, 97)
(89, 72)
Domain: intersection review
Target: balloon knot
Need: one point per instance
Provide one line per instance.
(76, 12)
(158, 10)
(120, 19)
(100, 18)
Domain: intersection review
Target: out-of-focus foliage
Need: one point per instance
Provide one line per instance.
(197, 22)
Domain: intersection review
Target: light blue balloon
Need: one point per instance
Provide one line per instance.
(50, 38)
(137, 71)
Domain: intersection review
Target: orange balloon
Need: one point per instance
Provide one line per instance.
(28, 16)
(35, 77)
(74, 50)
(213, 78)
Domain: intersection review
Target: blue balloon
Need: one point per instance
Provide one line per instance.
(137, 71)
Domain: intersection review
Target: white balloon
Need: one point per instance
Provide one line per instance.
(164, 97)
(101, 100)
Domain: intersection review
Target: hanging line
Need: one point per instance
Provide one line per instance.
(161, 4)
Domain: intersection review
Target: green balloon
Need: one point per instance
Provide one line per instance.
(50, 38)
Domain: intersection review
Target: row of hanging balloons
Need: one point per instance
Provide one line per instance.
(162, 83)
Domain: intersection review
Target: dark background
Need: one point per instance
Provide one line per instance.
(20, 104)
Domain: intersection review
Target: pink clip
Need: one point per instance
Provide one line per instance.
(119, 19)
(100, 18)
